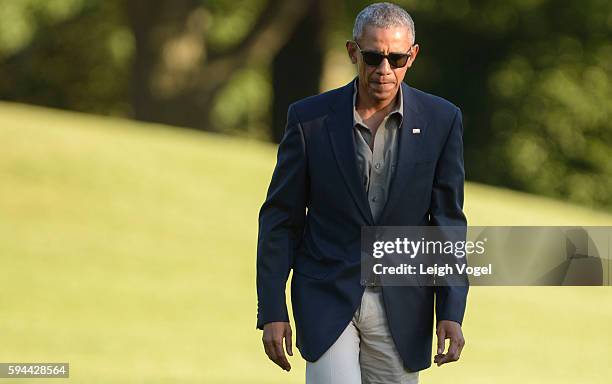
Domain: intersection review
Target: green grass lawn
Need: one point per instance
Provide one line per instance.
(128, 250)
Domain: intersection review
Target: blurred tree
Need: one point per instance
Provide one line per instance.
(71, 54)
(531, 76)
(298, 66)
(182, 62)
(164, 61)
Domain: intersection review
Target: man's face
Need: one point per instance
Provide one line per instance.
(382, 82)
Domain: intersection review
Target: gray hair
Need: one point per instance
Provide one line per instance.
(382, 15)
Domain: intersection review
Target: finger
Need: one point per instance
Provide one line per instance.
(443, 359)
(281, 359)
(438, 358)
(441, 334)
(269, 350)
(288, 343)
(453, 349)
(452, 355)
(461, 345)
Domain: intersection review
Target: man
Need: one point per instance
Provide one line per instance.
(374, 152)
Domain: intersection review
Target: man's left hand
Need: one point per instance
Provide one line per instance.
(448, 329)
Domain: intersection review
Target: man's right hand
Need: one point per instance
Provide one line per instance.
(273, 335)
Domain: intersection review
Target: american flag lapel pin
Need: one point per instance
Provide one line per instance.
(416, 131)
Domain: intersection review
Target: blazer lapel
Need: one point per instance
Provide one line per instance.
(340, 129)
(410, 147)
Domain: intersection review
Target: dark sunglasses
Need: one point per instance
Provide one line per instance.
(396, 60)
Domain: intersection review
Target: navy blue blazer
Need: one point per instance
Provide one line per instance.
(316, 205)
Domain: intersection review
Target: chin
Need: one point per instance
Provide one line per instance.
(381, 96)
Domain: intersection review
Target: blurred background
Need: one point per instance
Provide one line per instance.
(137, 140)
(533, 77)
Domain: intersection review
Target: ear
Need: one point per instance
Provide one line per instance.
(352, 51)
(415, 52)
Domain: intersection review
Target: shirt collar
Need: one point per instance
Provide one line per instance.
(399, 106)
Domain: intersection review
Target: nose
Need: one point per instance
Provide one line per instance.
(384, 68)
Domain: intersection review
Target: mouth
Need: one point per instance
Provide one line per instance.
(379, 84)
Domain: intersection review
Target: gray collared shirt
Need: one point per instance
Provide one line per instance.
(377, 155)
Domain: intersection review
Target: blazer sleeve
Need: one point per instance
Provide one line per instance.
(446, 209)
(281, 223)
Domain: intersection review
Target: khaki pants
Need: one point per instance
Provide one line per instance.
(364, 352)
